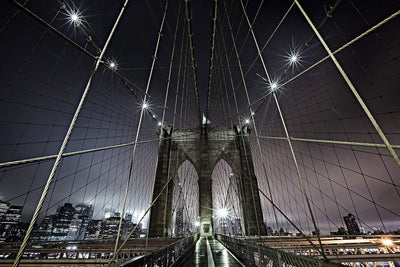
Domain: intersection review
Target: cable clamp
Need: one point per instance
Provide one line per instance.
(328, 13)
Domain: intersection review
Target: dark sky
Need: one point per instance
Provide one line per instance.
(43, 76)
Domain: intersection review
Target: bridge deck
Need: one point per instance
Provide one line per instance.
(210, 252)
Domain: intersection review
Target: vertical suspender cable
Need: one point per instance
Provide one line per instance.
(237, 109)
(190, 32)
(284, 125)
(66, 138)
(352, 88)
(139, 126)
(161, 137)
(211, 63)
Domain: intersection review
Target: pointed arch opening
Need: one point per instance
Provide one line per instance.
(225, 201)
(186, 200)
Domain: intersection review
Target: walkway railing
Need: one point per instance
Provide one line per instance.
(261, 255)
(167, 256)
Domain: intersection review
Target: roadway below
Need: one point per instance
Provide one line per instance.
(210, 252)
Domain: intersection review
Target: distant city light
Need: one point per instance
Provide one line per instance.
(293, 58)
(204, 119)
(387, 242)
(159, 123)
(145, 105)
(247, 121)
(252, 113)
(72, 248)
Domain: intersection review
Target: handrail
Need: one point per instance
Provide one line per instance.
(166, 256)
(261, 255)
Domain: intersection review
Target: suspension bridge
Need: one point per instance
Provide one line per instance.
(218, 133)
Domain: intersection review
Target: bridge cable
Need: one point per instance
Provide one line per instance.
(138, 129)
(183, 48)
(352, 88)
(161, 129)
(51, 28)
(194, 65)
(211, 59)
(286, 131)
(231, 79)
(372, 29)
(34, 218)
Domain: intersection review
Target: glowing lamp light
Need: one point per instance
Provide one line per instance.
(159, 123)
(247, 121)
(274, 86)
(204, 120)
(222, 213)
(112, 65)
(74, 17)
(293, 57)
(145, 105)
(387, 242)
(197, 223)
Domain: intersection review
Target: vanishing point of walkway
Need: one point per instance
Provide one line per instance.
(210, 252)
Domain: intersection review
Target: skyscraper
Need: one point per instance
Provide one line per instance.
(83, 214)
(10, 223)
(128, 217)
(3, 208)
(109, 228)
(64, 216)
(351, 224)
(93, 230)
(45, 228)
(83, 211)
(108, 212)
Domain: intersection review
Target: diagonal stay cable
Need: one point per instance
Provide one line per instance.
(352, 87)
(66, 139)
(68, 154)
(139, 127)
(125, 80)
(378, 25)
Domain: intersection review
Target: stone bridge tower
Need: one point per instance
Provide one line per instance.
(204, 148)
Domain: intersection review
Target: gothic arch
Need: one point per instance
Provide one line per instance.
(204, 148)
(224, 188)
(185, 203)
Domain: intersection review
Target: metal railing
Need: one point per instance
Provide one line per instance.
(167, 256)
(260, 255)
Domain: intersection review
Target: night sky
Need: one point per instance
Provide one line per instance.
(43, 76)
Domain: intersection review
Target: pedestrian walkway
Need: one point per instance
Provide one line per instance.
(210, 252)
